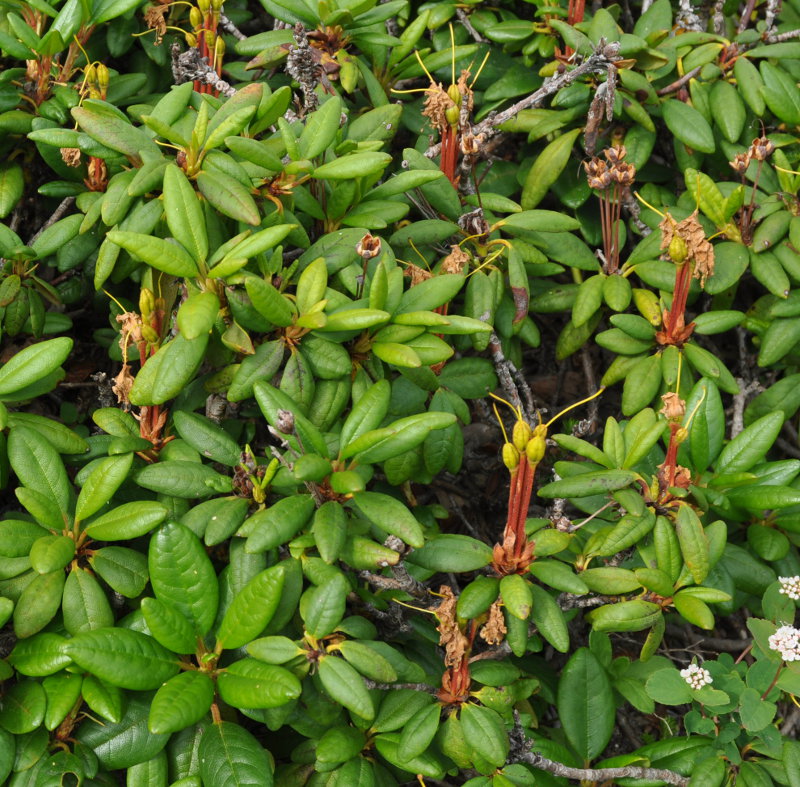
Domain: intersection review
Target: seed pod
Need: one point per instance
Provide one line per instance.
(510, 456)
(537, 445)
(677, 249)
(521, 435)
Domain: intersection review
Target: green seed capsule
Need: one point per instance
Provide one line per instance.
(510, 456)
(537, 445)
(521, 435)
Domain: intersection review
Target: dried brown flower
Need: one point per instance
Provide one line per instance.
(761, 148)
(416, 274)
(437, 102)
(623, 173)
(123, 383)
(674, 407)
(368, 247)
(71, 156)
(615, 154)
(130, 324)
(154, 19)
(494, 630)
(740, 163)
(471, 143)
(597, 174)
(455, 261)
(698, 249)
(450, 635)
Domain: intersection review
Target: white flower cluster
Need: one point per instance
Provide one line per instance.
(696, 676)
(786, 641)
(790, 586)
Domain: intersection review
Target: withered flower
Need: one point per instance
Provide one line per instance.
(71, 156)
(455, 261)
(494, 630)
(416, 274)
(471, 143)
(154, 19)
(674, 407)
(623, 173)
(597, 174)
(450, 635)
(740, 163)
(761, 148)
(368, 247)
(123, 383)
(697, 248)
(615, 154)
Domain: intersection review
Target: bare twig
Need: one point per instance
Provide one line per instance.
(739, 402)
(541, 763)
(687, 18)
(189, 66)
(301, 66)
(679, 83)
(746, 14)
(521, 751)
(464, 19)
(371, 684)
(597, 63)
(231, 28)
(62, 208)
(776, 38)
(401, 580)
(513, 383)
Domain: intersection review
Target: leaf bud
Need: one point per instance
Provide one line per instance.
(510, 456)
(520, 435)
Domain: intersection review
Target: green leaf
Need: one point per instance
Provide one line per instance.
(452, 552)
(324, 606)
(755, 712)
(125, 742)
(125, 570)
(251, 609)
(39, 467)
(485, 733)
(106, 127)
(127, 521)
(343, 684)
(182, 575)
(249, 683)
(780, 93)
(320, 128)
(367, 412)
(197, 314)
(184, 214)
(688, 125)
(182, 478)
(41, 654)
(402, 435)
(183, 700)
(390, 515)
(228, 196)
(355, 165)
(230, 756)
(751, 445)
(278, 524)
(271, 400)
(210, 440)
(84, 604)
(586, 484)
(163, 255)
(23, 707)
(12, 185)
(549, 619)
(51, 553)
(633, 615)
(269, 302)
(122, 657)
(668, 687)
(546, 169)
(693, 542)
(101, 484)
(33, 363)
(38, 603)
(586, 704)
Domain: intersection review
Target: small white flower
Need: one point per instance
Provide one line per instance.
(696, 676)
(786, 641)
(790, 586)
